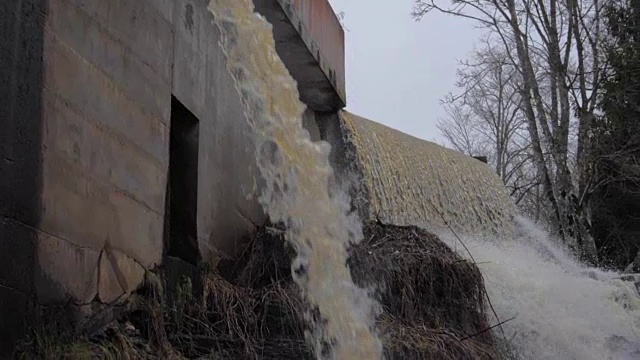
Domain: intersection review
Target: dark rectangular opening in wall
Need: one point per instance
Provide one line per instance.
(181, 211)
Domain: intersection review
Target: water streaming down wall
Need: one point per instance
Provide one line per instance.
(296, 173)
(411, 181)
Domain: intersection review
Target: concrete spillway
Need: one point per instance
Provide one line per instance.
(406, 180)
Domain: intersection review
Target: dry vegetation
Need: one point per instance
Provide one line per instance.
(432, 304)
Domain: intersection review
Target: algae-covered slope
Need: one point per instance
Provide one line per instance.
(412, 181)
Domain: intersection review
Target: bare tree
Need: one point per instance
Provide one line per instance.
(554, 46)
(485, 118)
(461, 129)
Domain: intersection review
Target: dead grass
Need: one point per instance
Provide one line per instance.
(420, 279)
(433, 300)
(432, 305)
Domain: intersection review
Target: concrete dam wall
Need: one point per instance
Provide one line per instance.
(123, 147)
(407, 181)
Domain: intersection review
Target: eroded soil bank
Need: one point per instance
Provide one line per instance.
(432, 305)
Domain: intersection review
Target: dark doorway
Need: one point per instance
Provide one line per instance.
(181, 210)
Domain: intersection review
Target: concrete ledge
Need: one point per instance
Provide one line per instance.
(310, 41)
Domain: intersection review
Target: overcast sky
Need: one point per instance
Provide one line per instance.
(398, 69)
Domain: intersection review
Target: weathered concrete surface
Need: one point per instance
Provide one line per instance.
(21, 74)
(110, 70)
(310, 42)
(84, 139)
(310, 123)
(119, 275)
(86, 88)
(107, 90)
(227, 205)
(406, 180)
(323, 34)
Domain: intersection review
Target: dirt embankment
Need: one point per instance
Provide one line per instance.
(432, 306)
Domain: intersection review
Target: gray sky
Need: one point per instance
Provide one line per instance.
(398, 69)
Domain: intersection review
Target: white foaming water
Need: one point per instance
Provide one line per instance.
(296, 173)
(563, 310)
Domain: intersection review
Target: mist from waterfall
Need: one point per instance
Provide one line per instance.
(562, 309)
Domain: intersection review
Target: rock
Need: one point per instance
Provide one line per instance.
(119, 275)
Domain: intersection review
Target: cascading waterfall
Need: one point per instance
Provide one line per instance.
(296, 173)
(563, 310)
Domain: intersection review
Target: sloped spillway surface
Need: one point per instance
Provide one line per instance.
(410, 181)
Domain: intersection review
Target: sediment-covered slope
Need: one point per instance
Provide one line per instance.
(407, 180)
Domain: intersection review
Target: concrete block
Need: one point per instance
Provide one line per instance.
(130, 273)
(227, 232)
(165, 7)
(227, 204)
(104, 155)
(66, 271)
(346, 172)
(310, 123)
(227, 201)
(88, 213)
(310, 42)
(140, 26)
(189, 81)
(89, 92)
(192, 22)
(21, 72)
(119, 275)
(137, 231)
(192, 66)
(127, 70)
(74, 206)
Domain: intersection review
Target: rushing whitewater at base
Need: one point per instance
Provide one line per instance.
(296, 191)
(562, 309)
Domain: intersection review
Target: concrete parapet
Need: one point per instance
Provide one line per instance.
(310, 42)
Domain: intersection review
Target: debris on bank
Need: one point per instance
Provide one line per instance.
(433, 300)
(432, 304)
